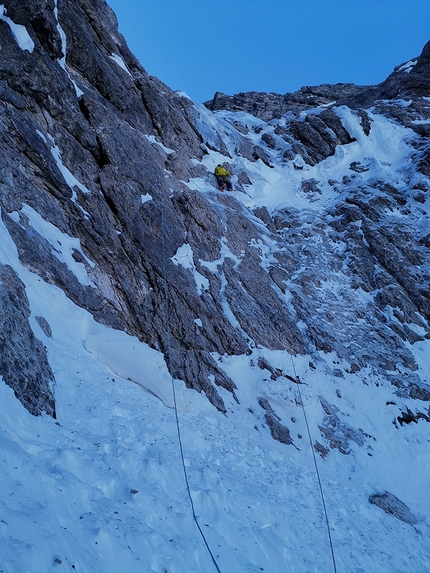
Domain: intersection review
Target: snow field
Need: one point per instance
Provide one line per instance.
(256, 499)
(383, 153)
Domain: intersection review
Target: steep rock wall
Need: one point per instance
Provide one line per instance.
(112, 157)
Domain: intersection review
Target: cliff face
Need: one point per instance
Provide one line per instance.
(108, 155)
(85, 135)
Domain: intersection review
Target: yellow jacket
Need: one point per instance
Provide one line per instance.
(219, 170)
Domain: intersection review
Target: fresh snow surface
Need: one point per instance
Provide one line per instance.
(185, 258)
(120, 62)
(383, 152)
(154, 140)
(145, 198)
(69, 178)
(408, 66)
(62, 244)
(62, 61)
(101, 489)
(20, 33)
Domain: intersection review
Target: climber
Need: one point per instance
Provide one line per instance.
(223, 178)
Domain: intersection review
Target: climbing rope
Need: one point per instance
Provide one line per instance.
(169, 359)
(178, 429)
(316, 466)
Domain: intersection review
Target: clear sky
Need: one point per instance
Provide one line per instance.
(231, 46)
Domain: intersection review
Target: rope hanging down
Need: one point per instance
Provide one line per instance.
(316, 467)
(169, 358)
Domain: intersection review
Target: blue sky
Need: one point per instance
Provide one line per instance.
(231, 46)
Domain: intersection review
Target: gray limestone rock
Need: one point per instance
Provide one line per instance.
(393, 506)
(279, 432)
(24, 364)
(420, 392)
(116, 139)
(408, 416)
(319, 135)
(269, 140)
(265, 106)
(268, 106)
(44, 325)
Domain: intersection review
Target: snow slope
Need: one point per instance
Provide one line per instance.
(101, 489)
(384, 152)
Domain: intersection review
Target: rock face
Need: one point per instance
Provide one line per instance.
(393, 506)
(268, 106)
(408, 81)
(24, 365)
(82, 141)
(110, 156)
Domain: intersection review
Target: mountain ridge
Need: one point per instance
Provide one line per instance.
(409, 78)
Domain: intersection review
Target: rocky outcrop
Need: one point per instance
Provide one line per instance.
(268, 106)
(338, 434)
(102, 123)
(393, 506)
(279, 431)
(316, 136)
(24, 364)
(408, 80)
(313, 136)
